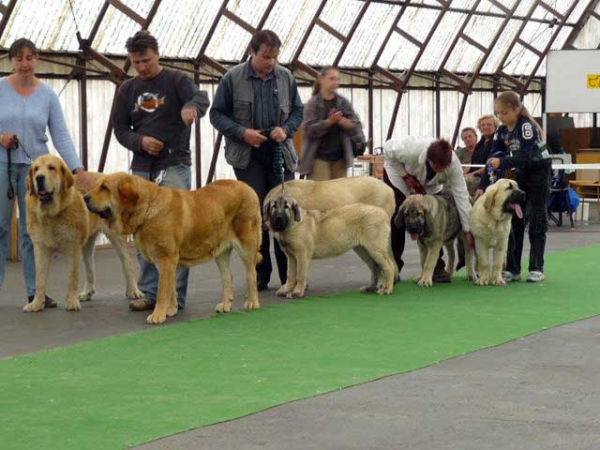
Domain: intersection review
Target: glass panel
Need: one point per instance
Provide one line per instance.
(321, 48)
(369, 35)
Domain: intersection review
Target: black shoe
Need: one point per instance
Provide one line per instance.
(48, 303)
(441, 277)
(460, 264)
(262, 285)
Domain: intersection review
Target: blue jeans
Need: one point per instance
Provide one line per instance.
(180, 177)
(18, 176)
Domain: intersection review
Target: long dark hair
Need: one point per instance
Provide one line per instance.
(321, 74)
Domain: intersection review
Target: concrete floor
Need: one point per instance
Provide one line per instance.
(539, 392)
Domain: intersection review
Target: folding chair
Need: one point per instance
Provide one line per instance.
(559, 201)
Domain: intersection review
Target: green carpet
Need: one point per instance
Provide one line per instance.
(130, 389)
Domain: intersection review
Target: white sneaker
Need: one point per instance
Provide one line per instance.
(508, 276)
(535, 276)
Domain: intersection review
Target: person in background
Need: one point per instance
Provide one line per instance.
(487, 126)
(258, 109)
(332, 131)
(152, 119)
(423, 166)
(29, 107)
(465, 154)
(520, 143)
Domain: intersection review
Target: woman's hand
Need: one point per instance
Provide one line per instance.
(8, 140)
(494, 162)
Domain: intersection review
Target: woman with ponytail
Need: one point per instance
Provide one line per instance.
(519, 144)
(333, 133)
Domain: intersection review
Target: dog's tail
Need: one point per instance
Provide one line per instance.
(259, 229)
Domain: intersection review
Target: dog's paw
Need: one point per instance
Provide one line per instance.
(172, 310)
(425, 282)
(86, 295)
(295, 294)
(224, 307)
(499, 281)
(483, 281)
(472, 277)
(282, 291)
(368, 289)
(156, 319)
(134, 293)
(33, 307)
(249, 304)
(73, 304)
(384, 291)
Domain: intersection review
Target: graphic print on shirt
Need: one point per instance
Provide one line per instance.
(527, 130)
(148, 102)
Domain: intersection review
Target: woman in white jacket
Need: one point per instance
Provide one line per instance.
(423, 165)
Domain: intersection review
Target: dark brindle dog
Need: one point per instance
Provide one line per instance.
(433, 220)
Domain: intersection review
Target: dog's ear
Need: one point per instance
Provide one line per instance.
(434, 206)
(490, 197)
(266, 211)
(399, 217)
(29, 182)
(128, 194)
(296, 211)
(67, 177)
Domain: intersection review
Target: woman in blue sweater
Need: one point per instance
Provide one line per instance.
(28, 108)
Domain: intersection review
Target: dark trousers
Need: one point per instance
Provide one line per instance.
(534, 179)
(262, 178)
(399, 234)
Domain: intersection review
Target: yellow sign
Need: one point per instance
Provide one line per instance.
(593, 81)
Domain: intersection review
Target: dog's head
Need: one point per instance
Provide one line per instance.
(115, 199)
(279, 211)
(504, 197)
(415, 213)
(48, 178)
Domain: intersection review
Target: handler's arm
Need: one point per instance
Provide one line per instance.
(460, 194)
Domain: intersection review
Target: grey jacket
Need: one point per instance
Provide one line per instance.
(233, 111)
(315, 127)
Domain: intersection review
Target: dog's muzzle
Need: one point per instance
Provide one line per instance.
(514, 202)
(43, 194)
(280, 222)
(105, 213)
(415, 229)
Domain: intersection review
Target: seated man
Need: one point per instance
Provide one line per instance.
(422, 166)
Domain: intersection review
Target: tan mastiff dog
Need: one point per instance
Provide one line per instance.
(490, 221)
(174, 228)
(307, 234)
(325, 195)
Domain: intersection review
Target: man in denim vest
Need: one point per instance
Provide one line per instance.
(257, 107)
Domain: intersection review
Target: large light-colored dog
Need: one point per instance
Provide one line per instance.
(433, 221)
(58, 221)
(178, 228)
(307, 234)
(325, 195)
(490, 224)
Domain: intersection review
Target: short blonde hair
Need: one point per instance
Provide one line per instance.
(488, 116)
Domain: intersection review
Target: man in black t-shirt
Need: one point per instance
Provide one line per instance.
(152, 119)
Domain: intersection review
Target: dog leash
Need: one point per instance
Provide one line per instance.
(277, 160)
(10, 193)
